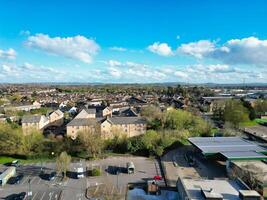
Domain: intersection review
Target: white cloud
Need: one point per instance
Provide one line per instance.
(114, 72)
(113, 63)
(162, 49)
(118, 48)
(242, 51)
(8, 54)
(77, 47)
(197, 49)
(247, 51)
(181, 74)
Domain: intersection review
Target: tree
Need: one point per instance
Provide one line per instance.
(251, 110)
(154, 116)
(235, 112)
(63, 163)
(32, 143)
(261, 107)
(92, 142)
(10, 139)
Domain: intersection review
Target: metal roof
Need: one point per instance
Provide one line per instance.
(243, 155)
(226, 145)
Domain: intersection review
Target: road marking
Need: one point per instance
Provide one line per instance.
(26, 179)
(50, 195)
(39, 181)
(34, 195)
(42, 196)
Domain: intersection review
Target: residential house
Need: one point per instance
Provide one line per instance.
(56, 118)
(37, 122)
(81, 124)
(108, 126)
(129, 126)
(33, 106)
(86, 114)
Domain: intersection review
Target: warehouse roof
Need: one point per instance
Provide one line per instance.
(239, 155)
(230, 147)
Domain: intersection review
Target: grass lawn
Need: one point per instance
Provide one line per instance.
(7, 159)
(261, 121)
(253, 122)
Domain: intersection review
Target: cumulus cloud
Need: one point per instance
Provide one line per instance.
(242, 51)
(77, 47)
(8, 54)
(117, 48)
(162, 49)
(249, 50)
(197, 49)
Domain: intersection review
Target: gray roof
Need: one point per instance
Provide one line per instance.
(84, 122)
(127, 120)
(243, 154)
(213, 145)
(31, 119)
(90, 110)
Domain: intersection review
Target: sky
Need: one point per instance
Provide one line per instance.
(133, 41)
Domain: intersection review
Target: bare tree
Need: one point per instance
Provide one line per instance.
(63, 163)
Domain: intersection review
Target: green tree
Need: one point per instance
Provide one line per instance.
(235, 113)
(154, 116)
(63, 163)
(260, 107)
(10, 139)
(32, 143)
(92, 142)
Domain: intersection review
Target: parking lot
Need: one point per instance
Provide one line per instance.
(113, 175)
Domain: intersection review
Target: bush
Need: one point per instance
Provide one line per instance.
(96, 172)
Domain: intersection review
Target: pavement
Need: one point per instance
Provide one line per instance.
(175, 166)
(74, 189)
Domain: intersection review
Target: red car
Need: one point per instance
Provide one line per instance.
(157, 178)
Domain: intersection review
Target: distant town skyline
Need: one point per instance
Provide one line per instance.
(126, 41)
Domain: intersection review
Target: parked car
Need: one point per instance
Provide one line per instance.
(18, 178)
(52, 176)
(15, 179)
(15, 163)
(20, 196)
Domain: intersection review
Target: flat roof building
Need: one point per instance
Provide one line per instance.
(202, 189)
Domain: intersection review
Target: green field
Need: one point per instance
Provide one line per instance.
(7, 159)
(253, 122)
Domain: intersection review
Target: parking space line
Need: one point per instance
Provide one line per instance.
(34, 195)
(50, 195)
(42, 196)
(26, 178)
(39, 181)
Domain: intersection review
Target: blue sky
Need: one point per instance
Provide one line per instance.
(141, 41)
